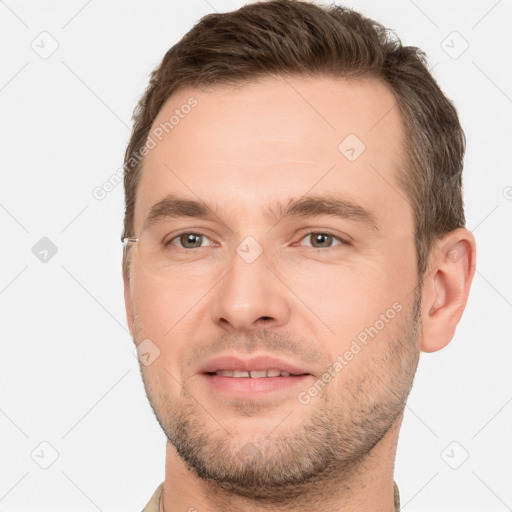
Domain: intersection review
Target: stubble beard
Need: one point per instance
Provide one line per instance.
(329, 445)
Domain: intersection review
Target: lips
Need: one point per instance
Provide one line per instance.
(254, 367)
(253, 374)
(254, 378)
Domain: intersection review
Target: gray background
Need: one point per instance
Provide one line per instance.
(69, 379)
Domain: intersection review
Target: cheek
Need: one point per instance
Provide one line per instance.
(170, 315)
(346, 299)
(150, 316)
(161, 307)
(153, 318)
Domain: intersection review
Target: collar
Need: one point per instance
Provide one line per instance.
(154, 503)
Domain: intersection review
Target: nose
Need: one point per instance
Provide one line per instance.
(250, 297)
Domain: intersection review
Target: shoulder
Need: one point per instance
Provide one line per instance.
(153, 504)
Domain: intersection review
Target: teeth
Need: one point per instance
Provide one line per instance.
(257, 374)
(253, 374)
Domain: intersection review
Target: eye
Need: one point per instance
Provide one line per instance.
(320, 240)
(189, 240)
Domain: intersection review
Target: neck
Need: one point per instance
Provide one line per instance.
(366, 485)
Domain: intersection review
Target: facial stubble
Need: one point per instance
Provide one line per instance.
(329, 444)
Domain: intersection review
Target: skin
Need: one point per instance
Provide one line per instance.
(240, 150)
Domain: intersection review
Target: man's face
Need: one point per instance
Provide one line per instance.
(303, 252)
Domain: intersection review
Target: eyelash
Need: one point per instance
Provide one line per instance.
(343, 241)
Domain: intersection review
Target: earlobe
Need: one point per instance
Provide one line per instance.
(446, 287)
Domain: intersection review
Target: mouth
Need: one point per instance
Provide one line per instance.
(255, 374)
(252, 378)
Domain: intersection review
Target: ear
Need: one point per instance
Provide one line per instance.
(446, 287)
(128, 299)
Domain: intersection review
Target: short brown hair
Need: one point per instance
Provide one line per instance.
(297, 38)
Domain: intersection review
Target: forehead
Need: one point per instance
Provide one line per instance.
(278, 137)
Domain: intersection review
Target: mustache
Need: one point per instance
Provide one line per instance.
(264, 340)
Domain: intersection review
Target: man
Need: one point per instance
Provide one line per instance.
(294, 238)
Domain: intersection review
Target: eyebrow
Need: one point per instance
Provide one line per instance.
(316, 205)
(172, 206)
